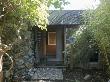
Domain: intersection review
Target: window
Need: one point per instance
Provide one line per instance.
(51, 38)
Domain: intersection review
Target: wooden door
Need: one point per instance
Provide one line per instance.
(51, 44)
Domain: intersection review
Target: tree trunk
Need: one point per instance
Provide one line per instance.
(1, 76)
(1, 65)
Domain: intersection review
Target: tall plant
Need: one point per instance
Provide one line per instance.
(98, 21)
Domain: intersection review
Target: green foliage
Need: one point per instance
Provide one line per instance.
(9, 38)
(23, 14)
(83, 49)
(98, 21)
(34, 11)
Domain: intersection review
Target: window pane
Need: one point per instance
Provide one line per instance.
(51, 38)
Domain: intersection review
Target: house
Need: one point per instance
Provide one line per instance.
(49, 45)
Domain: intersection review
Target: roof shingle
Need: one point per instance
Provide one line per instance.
(67, 17)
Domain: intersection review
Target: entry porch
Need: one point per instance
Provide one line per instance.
(49, 46)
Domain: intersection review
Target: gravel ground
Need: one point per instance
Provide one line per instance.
(48, 73)
(76, 75)
(82, 75)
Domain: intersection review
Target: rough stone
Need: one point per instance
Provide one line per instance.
(46, 73)
(22, 66)
(87, 77)
(109, 80)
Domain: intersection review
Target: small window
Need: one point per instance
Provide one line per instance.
(51, 38)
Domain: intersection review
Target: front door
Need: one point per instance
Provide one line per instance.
(49, 47)
(53, 45)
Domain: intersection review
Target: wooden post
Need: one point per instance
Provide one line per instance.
(1, 65)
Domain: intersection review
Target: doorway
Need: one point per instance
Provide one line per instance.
(52, 47)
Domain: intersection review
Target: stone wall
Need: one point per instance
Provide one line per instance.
(23, 56)
(24, 60)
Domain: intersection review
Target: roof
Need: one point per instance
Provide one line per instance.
(67, 17)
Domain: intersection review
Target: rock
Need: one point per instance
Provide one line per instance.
(87, 77)
(7, 74)
(22, 66)
(48, 73)
(109, 80)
